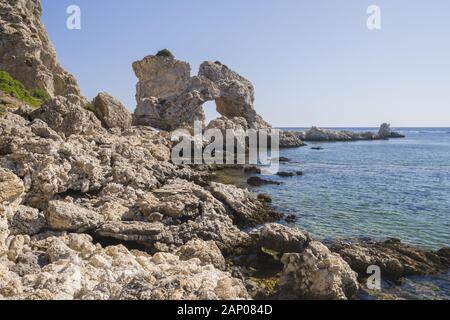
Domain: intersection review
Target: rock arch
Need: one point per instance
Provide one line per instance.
(169, 98)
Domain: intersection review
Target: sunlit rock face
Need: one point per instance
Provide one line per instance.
(26, 52)
(169, 98)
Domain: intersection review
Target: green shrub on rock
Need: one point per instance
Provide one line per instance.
(15, 88)
(165, 53)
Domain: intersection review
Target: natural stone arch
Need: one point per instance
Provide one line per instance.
(168, 98)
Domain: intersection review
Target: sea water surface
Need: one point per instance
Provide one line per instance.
(396, 188)
(390, 188)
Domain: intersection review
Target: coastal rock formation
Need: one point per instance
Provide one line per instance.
(281, 239)
(59, 266)
(90, 213)
(386, 132)
(396, 260)
(293, 139)
(316, 273)
(169, 98)
(26, 52)
(206, 251)
(317, 134)
(112, 112)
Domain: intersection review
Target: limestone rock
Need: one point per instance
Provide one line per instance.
(169, 98)
(11, 187)
(112, 112)
(317, 273)
(206, 251)
(131, 231)
(281, 239)
(65, 216)
(72, 267)
(395, 259)
(67, 118)
(245, 206)
(161, 77)
(27, 221)
(386, 132)
(26, 52)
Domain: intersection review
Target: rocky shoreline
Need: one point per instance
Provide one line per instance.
(92, 207)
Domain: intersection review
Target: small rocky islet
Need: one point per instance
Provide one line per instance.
(91, 206)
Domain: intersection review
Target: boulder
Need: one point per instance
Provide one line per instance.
(67, 118)
(111, 112)
(66, 216)
(281, 239)
(206, 251)
(27, 221)
(245, 207)
(317, 273)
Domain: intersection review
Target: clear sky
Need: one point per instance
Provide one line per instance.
(312, 62)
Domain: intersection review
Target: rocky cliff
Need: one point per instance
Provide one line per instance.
(26, 52)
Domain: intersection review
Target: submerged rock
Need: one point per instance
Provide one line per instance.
(258, 182)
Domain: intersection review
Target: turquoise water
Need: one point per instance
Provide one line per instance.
(398, 188)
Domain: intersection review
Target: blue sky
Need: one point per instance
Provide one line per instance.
(312, 62)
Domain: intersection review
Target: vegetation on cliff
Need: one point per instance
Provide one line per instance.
(15, 88)
(165, 53)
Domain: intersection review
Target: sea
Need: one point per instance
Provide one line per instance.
(397, 188)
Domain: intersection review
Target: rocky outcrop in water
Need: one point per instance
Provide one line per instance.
(324, 135)
(395, 259)
(26, 52)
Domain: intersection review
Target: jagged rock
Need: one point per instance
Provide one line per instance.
(131, 231)
(27, 221)
(168, 98)
(318, 134)
(395, 259)
(26, 52)
(180, 199)
(161, 77)
(281, 239)
(65, 216)
(386, 132)
(206, 251)
(291, 139)
(78, 269)
(246, 208)
(237, 94)
(11, 187)
(111, 111)
(317, 273)
(67, 118)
